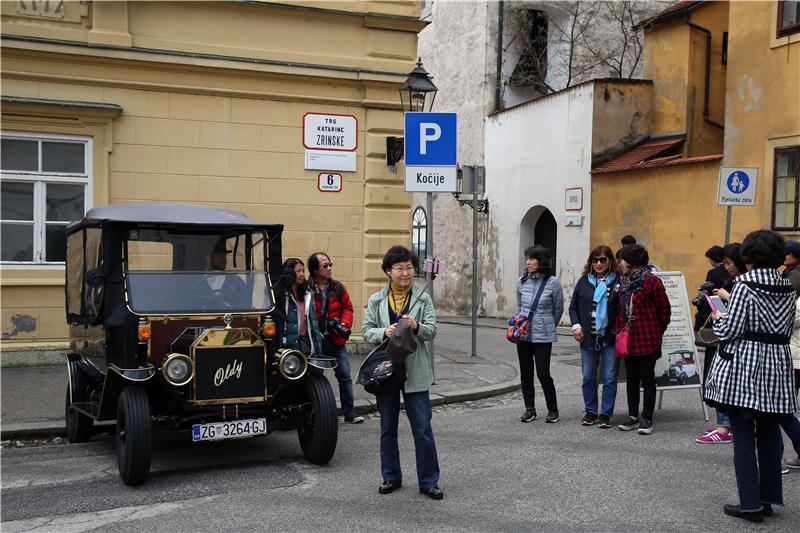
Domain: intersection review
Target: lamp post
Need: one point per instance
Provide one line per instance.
(416, 94)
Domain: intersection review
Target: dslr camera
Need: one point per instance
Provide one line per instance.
(335, 324)
(706, 289)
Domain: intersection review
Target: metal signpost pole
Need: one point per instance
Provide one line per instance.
(474, 266)
(430, 154)
(429, 253)
(728, 225)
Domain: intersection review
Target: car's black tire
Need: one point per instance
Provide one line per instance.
(319, 429)
(134, 435)
(79, 426)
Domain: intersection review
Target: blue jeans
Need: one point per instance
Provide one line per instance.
(590, 359)
(723, 419)
(418, 411)
(343, 375)
(758, 480)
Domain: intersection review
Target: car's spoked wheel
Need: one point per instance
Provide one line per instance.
(319, 430)
(134, 435)
(79, 426)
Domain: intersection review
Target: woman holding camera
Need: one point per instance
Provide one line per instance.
(592, 312)
(399, 301)
(751, 378)
(540, 297)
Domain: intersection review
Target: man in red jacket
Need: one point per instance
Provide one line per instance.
(335, 319)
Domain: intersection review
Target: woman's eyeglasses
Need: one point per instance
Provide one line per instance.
(401, 270)
(602, 260)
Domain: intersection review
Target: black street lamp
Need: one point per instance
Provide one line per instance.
(416, 94)
(415, 90)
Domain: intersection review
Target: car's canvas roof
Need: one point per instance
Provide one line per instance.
(167, 214)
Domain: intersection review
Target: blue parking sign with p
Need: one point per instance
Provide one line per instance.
(430, 139)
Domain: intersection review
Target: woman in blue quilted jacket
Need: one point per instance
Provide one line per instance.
(539, 289)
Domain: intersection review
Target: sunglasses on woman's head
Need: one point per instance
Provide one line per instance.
(602, 260)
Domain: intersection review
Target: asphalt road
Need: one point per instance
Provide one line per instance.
(497, 475)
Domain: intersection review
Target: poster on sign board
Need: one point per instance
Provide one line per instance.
(678, 366)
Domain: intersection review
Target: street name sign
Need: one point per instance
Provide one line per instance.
(737, 186)
(330, 132)
(430, 152)
(330, 141)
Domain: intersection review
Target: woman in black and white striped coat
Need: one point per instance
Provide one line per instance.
(751, 378)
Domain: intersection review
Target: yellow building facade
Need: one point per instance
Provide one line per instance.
(667, 197)
(199, 102)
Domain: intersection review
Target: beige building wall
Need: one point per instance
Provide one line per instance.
(212, 98)
(762, 106)
(673, 210)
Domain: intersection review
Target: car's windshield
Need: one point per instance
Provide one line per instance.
(179, 272)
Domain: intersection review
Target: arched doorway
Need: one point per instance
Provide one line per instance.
(538, 226)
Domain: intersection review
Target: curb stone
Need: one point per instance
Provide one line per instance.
(53, 428)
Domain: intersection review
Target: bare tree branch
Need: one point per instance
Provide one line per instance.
(583, 40)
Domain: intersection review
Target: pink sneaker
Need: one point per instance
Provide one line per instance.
(715, 437)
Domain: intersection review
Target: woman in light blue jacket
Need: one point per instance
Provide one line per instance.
(538, 288)
(399, 301)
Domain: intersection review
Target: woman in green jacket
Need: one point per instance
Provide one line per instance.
(400, 300)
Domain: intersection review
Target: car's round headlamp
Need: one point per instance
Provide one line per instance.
(292, 364)
(178, 369)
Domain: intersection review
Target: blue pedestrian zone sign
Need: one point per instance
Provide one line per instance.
(430, 152)
(738, 182)
(737, 186)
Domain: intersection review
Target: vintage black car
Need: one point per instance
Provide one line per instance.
(174, 327)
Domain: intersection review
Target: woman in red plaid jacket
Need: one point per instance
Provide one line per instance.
(644, 307)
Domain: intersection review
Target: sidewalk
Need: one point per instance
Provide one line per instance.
(33, 397)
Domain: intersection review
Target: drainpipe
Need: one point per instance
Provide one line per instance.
(707, 89)
(498, 88)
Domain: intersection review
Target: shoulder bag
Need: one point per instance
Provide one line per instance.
(623, 339)
(705, 336)
(519, 325)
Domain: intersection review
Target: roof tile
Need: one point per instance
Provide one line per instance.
(651, 154)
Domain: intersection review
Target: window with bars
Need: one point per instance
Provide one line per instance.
(45, 183)
(419, 237)
(786, 179)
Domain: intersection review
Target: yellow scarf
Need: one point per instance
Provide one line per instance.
(398, 298)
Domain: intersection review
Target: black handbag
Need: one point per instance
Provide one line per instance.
(379, 374)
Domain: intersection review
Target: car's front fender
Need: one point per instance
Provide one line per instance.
(117, 379)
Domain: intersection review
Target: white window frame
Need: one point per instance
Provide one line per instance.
(39, 179)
